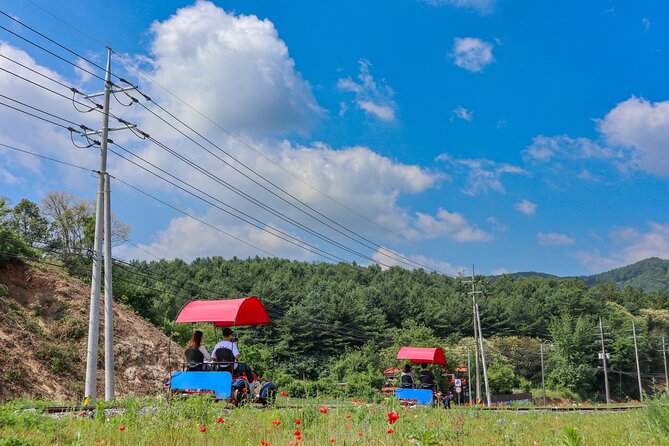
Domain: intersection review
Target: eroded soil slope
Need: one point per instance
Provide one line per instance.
(43, 336)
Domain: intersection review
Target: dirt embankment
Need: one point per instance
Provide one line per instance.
(43, 338)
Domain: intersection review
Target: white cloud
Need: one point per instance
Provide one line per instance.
(642, 126)
(500, 271)
(544, 149)
(451, 224)
(526, 207)
(389, 257)
(646, 23)
(464, 114)
(554, 239)
(483, 175)
(375, 98)
(482, 6)
(472, 53)
(629, 245)
(28, 133)
(234, 68)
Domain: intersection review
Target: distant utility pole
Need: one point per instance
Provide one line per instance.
(603, 358)
(469, 374)
(666, 373)
(485, 369)
(102, 233)
(473, 294)
(636, 356)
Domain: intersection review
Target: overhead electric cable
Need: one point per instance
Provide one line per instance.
(388, 253)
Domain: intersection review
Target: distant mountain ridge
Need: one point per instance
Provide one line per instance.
(648, 274)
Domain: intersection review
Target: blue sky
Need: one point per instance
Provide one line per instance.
(514, 135)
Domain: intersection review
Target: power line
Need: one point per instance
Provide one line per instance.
(389, 253)
(343, 231)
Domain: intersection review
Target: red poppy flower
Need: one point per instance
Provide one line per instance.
(121, 428)
(324, 410)
(220, 420)
(331, 439)
(348, 416)
(283, 394)
(203, 428)
(297, 433)
(348, 426)
(392, 417)
(299, 437)
(276, 422)
(373, 412)
(264, 443)
(359, 434)
(390, 430)
(298, 421)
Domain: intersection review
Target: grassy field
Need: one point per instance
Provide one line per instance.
(308, 422)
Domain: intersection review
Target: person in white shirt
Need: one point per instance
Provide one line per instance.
(196, 343)
(226, 343)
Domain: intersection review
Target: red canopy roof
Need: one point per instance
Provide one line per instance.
(418, 355)
(225, 313)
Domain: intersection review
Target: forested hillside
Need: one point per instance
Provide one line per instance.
(335, 323)
(648, 274)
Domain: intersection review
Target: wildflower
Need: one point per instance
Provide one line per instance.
(373, 412)
(331, 439)
(502, 421)
(324, 410)
(348, 426)
(359, 434)
(276, 422)
(392, 417)
(390, 430)
(299, 437)
(264, 443)
(297, 433)
(283, 394)
(203, 428)
(298, 421)
(348, 416)
(121, 428)
(220, 420)
(364, 426)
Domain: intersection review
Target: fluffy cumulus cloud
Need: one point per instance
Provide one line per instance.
(643, 127)
(34, 135)
(451, 224)
(482, 6)
(482, 175)
(472, 53)
(462, 113)
(387, 257)
(374, 97)
(526, 207)
(629, 245)
(234, 68)
(554, 239)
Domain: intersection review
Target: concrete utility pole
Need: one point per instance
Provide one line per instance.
(102, 233)
(485, 369)
(666, 373)
(473, 293)
(603, 353)
(469, 374)
(109, 298)
(543, 382)
(636, 356)
(94, 311)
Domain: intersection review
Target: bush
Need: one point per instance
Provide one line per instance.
(658, 414)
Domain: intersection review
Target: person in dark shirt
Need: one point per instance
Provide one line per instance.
(426, 377)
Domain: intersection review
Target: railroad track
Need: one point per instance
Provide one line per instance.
(88, 410)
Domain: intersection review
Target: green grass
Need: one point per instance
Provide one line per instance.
(346, 422)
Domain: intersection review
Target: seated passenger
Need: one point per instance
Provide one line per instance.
(407, 378)
(226, 352)
(426, 377)
(196, 353)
